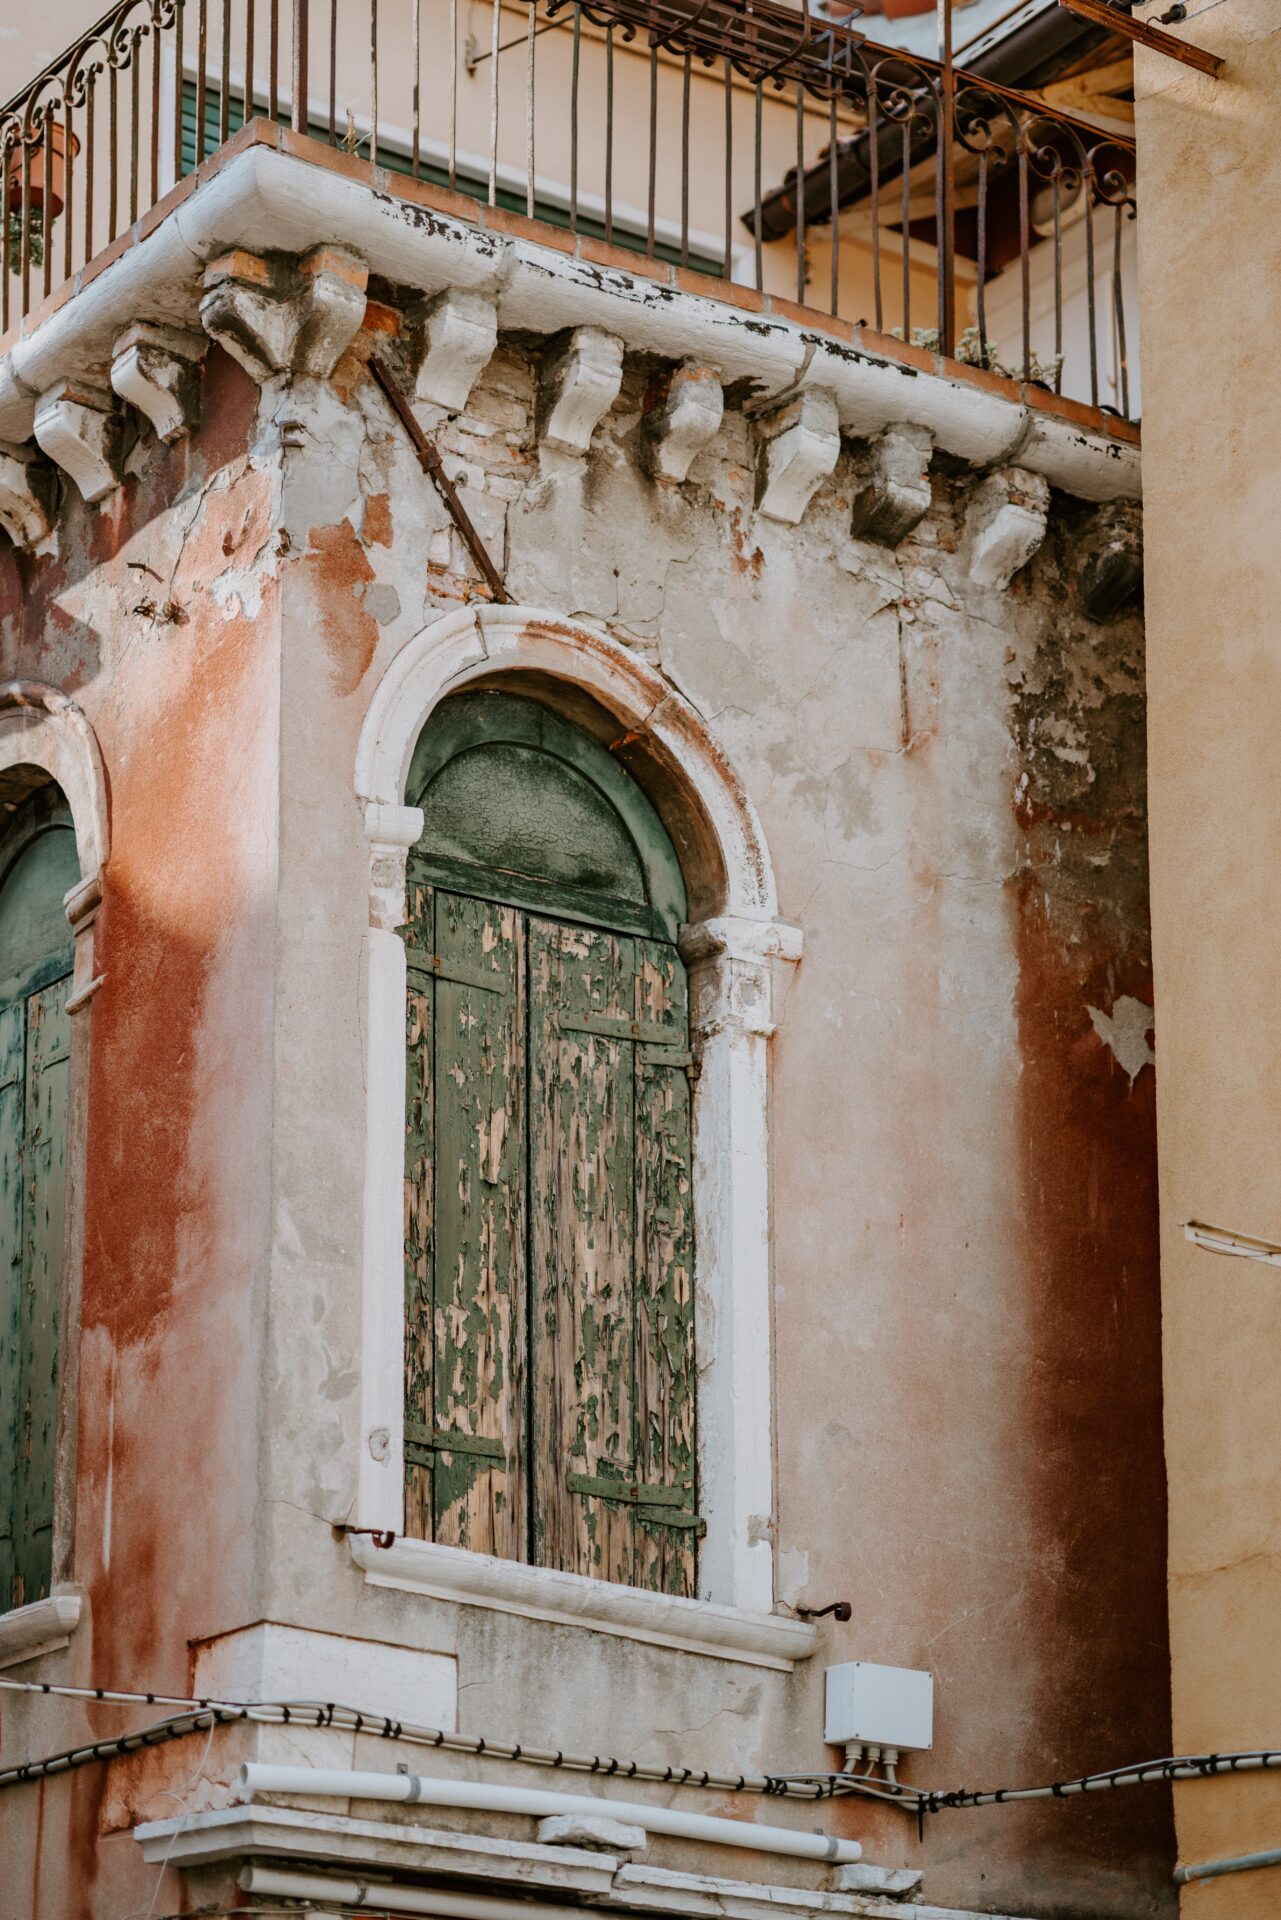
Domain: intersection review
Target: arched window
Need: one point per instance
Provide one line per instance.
(38, 866)
(549, 1337)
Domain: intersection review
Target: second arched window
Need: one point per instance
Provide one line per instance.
(550, 1365)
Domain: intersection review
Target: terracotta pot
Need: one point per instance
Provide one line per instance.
(48, 171)
(904, 9)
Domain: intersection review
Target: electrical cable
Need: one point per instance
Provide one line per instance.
(206, 1714)
(201, 1714)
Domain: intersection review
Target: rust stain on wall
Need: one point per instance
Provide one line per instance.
(375, 526)
(1092, 1405)
(340, 571)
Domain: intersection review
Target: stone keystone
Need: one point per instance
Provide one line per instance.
(800, 445)
(294, 319)
(579, 386)
(460, 332)
(79, 427)
(157, 370)
(1005, 524)
(685, 420)
(28, 495)
(894, 494)
(1110, 550)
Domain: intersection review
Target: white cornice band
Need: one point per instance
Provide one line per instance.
(271, 201)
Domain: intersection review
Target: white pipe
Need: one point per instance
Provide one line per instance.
(1241, 1863)
(537, 1802)
(385, 1897)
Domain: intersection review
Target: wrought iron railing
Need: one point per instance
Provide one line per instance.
(719, 135)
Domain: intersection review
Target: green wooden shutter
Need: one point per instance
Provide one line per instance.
(664, 1325)
(549, 1221)
(44, 1170)
(12, 1097)
(35, 1033)
(582, 1231)
(465, 1266)
(611, 1259)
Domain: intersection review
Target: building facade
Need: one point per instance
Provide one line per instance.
(591, 1098)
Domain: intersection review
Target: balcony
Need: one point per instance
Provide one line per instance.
(700, 144)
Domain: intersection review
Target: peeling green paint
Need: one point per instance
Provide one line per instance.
(549, 1217)
(35, 1037)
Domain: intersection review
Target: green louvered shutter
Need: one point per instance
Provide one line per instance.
(465, 1265)
(12, 1370)
(44, 1171)
(549, 1259)
(35, 1033)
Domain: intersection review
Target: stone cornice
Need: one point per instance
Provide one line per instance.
(282, 202)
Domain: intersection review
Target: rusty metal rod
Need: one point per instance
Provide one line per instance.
(432, 465)
(1100, 14)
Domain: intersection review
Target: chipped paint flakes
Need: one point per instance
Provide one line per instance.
(1125, 1033)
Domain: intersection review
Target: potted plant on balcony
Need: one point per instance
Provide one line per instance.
(47, 191)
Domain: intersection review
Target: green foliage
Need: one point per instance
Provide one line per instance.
(972, 351)
(15, 238)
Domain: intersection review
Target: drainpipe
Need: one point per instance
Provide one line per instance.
(1240, 1863)
(537, 1803)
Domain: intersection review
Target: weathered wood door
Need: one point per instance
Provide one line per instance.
(549, 1209)
(35, 966)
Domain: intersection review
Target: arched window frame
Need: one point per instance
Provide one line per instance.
(42, 728)
(731, 949)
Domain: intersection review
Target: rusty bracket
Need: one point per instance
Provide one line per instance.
(1100, 14)
(433, 466)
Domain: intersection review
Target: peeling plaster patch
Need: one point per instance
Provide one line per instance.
(793, 1574)
(237, 593)
(381, 601)
(1125, 1031)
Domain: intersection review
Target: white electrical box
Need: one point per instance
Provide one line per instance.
(880, 1706)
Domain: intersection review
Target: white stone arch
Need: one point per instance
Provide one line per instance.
(730, 949)
(41, 727)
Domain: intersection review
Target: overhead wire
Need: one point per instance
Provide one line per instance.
(201, 1715)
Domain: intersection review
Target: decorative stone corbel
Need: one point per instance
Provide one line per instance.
(1110, 547)
(295, 319)
(157, 370)
(28, 495)
(1005, 524)
(894, 494)
(800, 445)
(391, 832)
(731, 961)
(79, 427)
(686, 418)
(81, 906)
(579, 385)
(460, 332)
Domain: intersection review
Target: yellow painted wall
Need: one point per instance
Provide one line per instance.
(1210, 187)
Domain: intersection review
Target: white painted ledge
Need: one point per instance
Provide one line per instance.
(598, 1883)
(42, 1627)
(572, 1600)
(267, 201)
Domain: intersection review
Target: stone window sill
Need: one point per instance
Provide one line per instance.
(573, 1600)
(41, 1627)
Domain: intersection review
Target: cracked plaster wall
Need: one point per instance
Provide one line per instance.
(951, 783)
